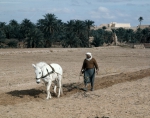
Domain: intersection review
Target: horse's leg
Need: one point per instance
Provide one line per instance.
(59, 85)
(55, 88)
(58, 89)
(61, 89)
(48, 90)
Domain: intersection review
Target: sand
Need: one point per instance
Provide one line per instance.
(121, 87)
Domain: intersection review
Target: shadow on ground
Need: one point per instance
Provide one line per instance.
(38, 94)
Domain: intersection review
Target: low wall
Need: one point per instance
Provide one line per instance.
(139, 46)
(147, 45)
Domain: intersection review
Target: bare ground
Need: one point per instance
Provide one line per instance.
(121, 88)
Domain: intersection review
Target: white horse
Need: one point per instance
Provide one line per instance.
(49, 73)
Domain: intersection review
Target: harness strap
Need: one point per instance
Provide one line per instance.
(52, 68)
(48, 73)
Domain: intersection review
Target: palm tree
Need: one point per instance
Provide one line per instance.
(89, 24)
(120, 32)
(140, 19)
(145, 35)
(13, 23)
(49, 26)
(108, 37)
(138, 36)
(98, 37)
(2, 37)
(12, 43)
(35, 38)
(69, 26)
(2, 25)
(15, 29)
(78, 29)
(71, 40)
(2, 34)
(2, 29)
(129, 36)
(25, 26)
(9, 32)
(50, 23)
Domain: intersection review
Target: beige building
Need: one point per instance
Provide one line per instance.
(118, 25)
(143, 26)
(112, 25)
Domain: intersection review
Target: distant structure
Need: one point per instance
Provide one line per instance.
(118, 25)
(112, 25)
(90, 41)
(115, 39)
(143, 26)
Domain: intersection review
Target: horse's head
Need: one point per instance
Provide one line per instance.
(38, 73)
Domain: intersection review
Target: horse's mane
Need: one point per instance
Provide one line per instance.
(41, 64)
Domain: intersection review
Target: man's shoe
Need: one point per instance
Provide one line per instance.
(85, 89)
(92, 89)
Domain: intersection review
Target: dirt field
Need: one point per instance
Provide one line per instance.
(121, 87)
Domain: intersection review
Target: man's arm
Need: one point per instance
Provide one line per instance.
(83, 67)
(96, 66)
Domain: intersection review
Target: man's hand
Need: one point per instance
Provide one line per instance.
(97, 71)
(81, 73)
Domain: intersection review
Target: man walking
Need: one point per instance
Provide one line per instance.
(88, 69)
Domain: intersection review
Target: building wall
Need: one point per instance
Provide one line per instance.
(122, 25)
(117, 25)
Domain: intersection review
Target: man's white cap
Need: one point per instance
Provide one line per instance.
(88, 53)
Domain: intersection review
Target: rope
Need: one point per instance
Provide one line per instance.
(79, 82)
(84, 94)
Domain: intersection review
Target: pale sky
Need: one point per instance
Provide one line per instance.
(99, 11)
